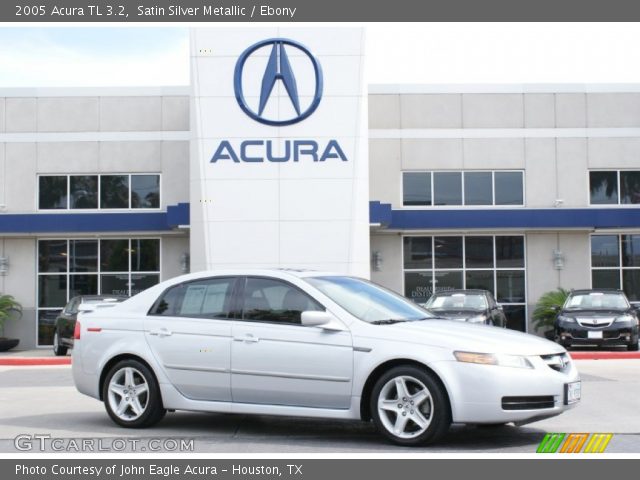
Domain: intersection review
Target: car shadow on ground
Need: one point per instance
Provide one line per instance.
(222, 432)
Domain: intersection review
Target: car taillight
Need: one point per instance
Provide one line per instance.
(76, 331)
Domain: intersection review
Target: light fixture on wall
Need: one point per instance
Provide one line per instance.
(185, 262)
(4, 265)
(376, 261)
(558, 260)
(558, 202)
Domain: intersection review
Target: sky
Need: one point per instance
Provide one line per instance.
(435, 53)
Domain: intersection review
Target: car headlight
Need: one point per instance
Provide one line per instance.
(515, 361)
(624, 318)
(477, 319)
(562, 318)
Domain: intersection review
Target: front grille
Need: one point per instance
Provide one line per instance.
(595, 322)
(557, 361)
(528, 403)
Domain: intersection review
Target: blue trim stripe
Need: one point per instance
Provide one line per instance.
(521, 218)
(95, 222)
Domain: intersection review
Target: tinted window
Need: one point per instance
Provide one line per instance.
(275, 301)
(631, 282)
(52, 291)
(52, 192)
(114, 191)
(417, 252)
(83, 285)
(478, 188)
(210, 298)
(629, 187)
(145, 191)
(478, 252)
(447, 280)
(114, 256)
(416, 188)
(145, 255)
(418, 286)
(631, 250)
(447, 188)
(448, 252)
(603, 187)
(83, 255)
(605, 279)
(480, 279)
(84, 191)
(510, 286)
(604, 251)
(52, 256)
(508, 188)
(509, 252)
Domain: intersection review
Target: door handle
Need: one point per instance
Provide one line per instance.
(247, 339)
(162, 332)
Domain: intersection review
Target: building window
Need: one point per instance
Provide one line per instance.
(489, 262)
(90, 192)
(71, 267)
(483, 188)
(616, 187)
(615, 263)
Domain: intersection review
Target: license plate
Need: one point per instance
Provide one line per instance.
(596, 334)
(572, 392)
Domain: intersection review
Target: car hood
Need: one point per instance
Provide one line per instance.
(457, 314)
(592, 313)
(464, 337)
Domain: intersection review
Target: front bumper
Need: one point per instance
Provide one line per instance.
(480, 393)
(572, 333)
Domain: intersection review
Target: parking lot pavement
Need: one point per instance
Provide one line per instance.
(43, 400)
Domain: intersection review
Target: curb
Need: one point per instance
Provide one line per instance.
(19, 361)
(604, 355)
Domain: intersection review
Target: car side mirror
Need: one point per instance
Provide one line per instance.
(636, 306)
(321, 319)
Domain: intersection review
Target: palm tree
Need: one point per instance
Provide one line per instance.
(547, 308)
(8, 306)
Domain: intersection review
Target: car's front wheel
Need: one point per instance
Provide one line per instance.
(132, 396)
(409, 406)
(58, 349)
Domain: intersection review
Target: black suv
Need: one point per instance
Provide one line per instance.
(473, 306)
(66, 321)
(597, 317)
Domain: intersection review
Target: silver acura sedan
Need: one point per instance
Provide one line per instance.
(311, 344)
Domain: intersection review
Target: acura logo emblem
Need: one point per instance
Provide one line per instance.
(278, 70)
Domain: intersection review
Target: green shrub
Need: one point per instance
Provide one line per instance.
(8, 306)
(547, 308)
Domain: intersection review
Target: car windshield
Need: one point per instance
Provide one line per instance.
(458, 301)
(597, 301)
(368, 302)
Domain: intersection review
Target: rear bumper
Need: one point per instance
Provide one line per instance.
(85, 383)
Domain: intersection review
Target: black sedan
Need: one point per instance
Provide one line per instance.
(473, 306)
(597, 317)
(66, 321)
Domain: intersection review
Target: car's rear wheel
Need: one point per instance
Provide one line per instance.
(132, 396)
(409, 406)
(58, 349)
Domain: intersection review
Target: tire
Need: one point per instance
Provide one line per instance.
(633, 347)
(131, 379)
(426, 420)
(58, 350)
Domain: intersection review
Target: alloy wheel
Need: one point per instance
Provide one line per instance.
(405, 407)
(128, 394)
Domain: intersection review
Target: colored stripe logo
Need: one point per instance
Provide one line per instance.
(574, 443)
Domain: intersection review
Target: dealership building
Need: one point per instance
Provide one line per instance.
(280, 154)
